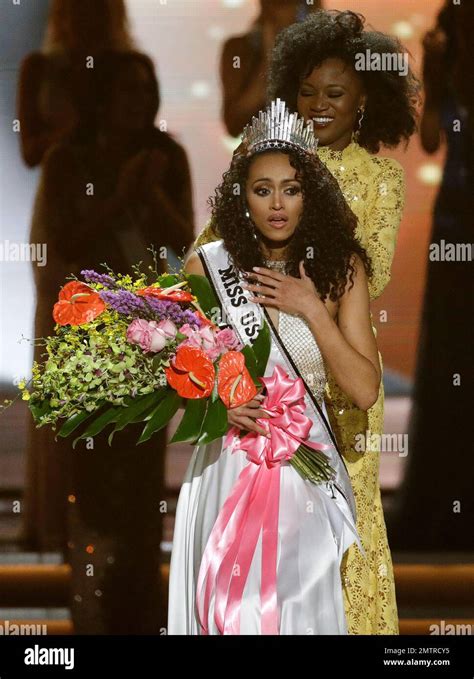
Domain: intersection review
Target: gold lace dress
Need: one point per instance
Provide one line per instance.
(374, 188)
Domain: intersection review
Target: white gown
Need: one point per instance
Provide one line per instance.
(315, 529)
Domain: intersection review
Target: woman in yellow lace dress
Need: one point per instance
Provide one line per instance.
(354, 113)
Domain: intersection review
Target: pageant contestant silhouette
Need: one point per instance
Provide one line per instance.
(95, 127)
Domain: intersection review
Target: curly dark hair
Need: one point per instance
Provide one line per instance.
(325, 230)
(391, 109)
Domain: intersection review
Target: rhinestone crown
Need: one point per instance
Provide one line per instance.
(277, 128)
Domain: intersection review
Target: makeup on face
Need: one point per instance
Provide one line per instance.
(274, 196)
(330, 96)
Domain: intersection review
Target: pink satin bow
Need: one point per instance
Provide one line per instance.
(253, 505)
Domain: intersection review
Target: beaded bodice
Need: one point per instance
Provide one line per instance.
(301, 345)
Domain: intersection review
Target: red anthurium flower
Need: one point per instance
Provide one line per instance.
(191, 373)
(77, 304)
(234, 384)
(165, 294)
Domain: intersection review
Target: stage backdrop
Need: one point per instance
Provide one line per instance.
(184, 39)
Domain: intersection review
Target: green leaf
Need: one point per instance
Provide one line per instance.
(251, 363)
(73, 422)
(215, 391)
(156, 363)
(95, 427)
(201, 288)
(190, 426)
(162, 414)
(167, 280)
(146, 414)
(261, 348)
(39, 408)
(215, 422)
(136, 410)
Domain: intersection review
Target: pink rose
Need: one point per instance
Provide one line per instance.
(228, 339)
(201, 338)
(186, 329)
(169, 328)
(209, 344)
(157, 337)
(194, 339)
(146, 334)
(138, 332)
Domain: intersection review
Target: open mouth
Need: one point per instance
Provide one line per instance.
(278, 221)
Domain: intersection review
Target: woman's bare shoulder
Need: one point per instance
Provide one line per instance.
(194, 265)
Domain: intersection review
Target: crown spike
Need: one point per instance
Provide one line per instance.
(276, 127)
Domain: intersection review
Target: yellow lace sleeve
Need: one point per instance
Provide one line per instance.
(207, 235)
(384, 213)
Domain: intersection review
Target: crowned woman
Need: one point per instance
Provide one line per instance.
(258, 545)
(355, 112)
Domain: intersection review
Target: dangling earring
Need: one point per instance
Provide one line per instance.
(252, 226)
(356, 133)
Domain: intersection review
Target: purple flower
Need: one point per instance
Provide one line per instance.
(138, 306)
(102, 278)
(124, 302)
(163, 309)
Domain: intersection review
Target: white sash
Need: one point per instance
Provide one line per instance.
(247, 318)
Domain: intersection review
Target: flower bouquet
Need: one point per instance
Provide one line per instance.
(130, 350)
(127, 350)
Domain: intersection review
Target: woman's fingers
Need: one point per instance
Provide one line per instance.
(251, 412)
(256, 402)
(269, 276)
(261, 289)
(250, 425)
(244, 416)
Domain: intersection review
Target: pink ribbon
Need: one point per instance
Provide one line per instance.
(253, 506)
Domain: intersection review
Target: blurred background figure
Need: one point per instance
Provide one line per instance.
(111, 186)
(54, 82)
(435, 504)
(54, 88)
(245, 59)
